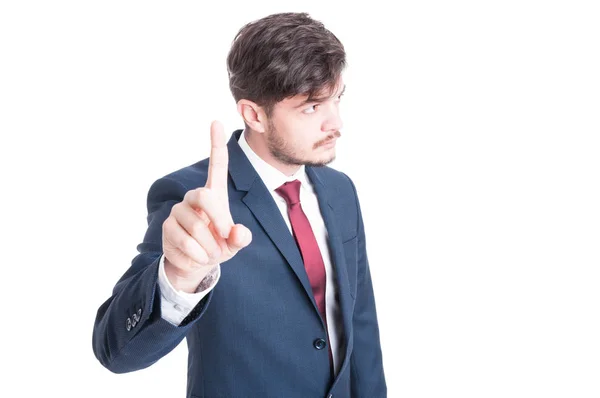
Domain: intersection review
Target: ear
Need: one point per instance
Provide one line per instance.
(253, 115)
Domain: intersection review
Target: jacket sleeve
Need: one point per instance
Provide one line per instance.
(129, 333)
(366, 363)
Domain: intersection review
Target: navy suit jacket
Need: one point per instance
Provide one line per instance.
(255, 334)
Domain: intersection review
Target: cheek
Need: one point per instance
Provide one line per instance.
(301, 131)
(308, 128)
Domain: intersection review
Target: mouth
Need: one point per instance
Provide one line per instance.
(329, 143)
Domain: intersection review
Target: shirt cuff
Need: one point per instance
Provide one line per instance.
(175, 305)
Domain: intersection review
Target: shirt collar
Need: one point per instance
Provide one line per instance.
(272, 177)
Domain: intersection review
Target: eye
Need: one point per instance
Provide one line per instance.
(311, 109)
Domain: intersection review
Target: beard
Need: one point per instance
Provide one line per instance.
(283, 151)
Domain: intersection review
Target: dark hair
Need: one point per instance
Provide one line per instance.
(283, 55)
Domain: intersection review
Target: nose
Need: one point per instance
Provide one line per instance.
(333, 122)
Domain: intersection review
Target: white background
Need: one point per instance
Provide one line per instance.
(471, 132)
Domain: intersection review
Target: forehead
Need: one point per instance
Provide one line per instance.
(301, 99)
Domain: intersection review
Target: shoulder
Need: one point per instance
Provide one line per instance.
(192, 176)
(337, 181)
(173, 186)
(342, 197)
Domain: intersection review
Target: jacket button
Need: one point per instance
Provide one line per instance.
(319, 344)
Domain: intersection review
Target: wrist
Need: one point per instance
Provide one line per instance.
(188, 282)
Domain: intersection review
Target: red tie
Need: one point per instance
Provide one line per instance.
(305, 238)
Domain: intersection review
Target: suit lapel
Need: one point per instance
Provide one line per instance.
(335, 248)
(261, 204)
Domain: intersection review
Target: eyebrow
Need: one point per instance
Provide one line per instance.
(318, 100)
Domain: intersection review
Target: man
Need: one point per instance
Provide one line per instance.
(257, 254)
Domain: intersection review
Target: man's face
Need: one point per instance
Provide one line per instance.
(304, 133)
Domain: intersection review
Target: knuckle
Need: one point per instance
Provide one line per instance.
(207, 194)
(193, 196)
(188, 197)
(186, 245)
(214, 254)
(201, 191)
(197, 229)
(174, 210)
(167, 226)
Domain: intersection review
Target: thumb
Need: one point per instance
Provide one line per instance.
(239, 237)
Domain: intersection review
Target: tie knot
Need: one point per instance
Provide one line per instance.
(290, 191)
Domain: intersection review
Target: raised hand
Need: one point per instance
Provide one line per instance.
(199, 232)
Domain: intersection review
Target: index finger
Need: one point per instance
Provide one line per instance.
(219, 159)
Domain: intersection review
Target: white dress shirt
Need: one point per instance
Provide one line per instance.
(176, 305)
